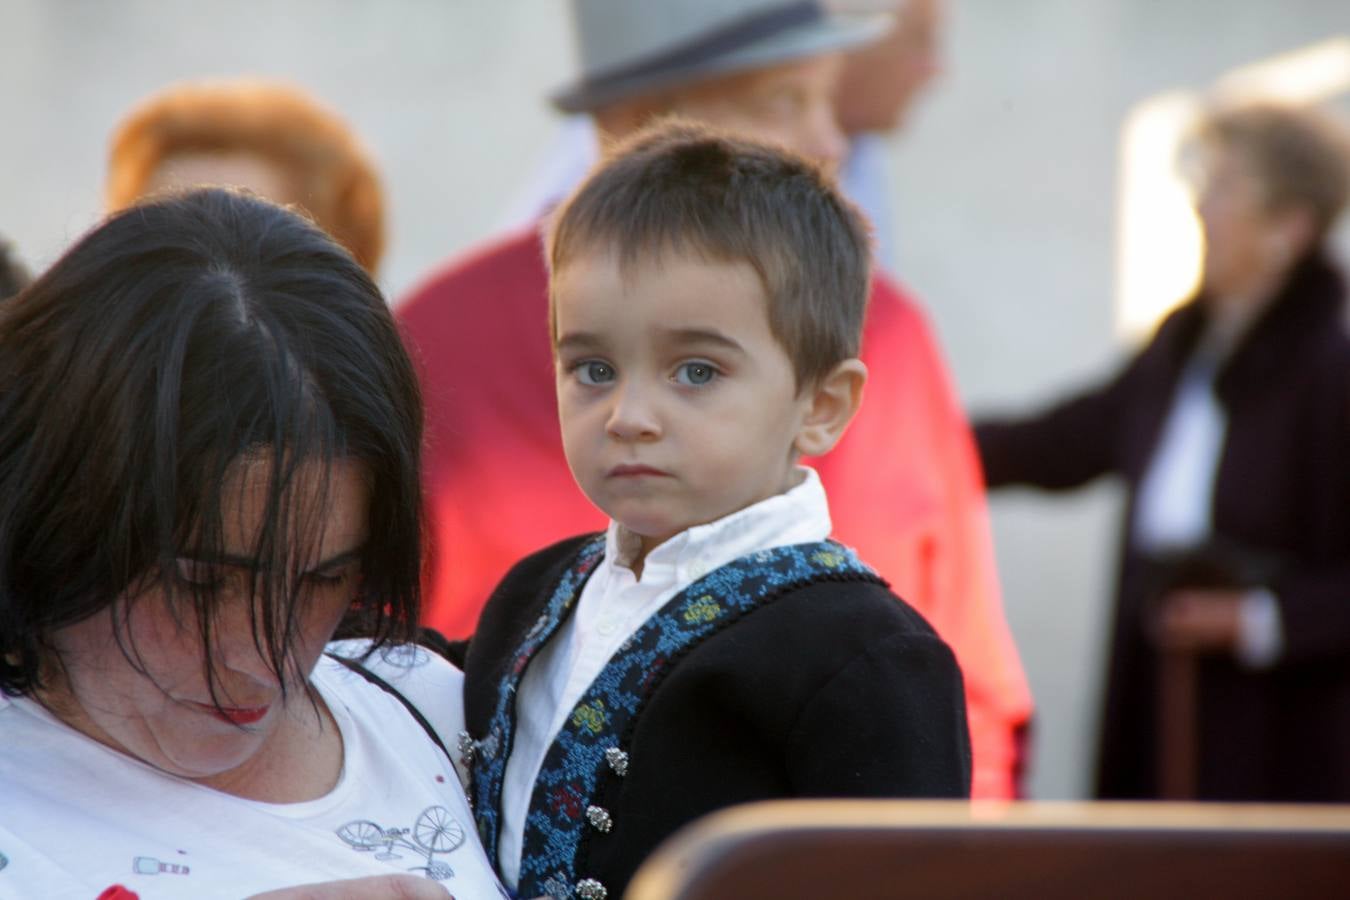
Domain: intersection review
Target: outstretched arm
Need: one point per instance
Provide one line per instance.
(1064, 446)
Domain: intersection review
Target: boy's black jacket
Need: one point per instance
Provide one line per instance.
(830, 690)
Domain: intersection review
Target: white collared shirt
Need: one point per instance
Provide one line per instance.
(1176, 494)
(613, 605)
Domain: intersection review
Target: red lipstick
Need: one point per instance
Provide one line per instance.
(235, 715)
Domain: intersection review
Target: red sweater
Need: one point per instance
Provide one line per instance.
(904, 484)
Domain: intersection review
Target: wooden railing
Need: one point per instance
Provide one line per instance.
(1019, 851)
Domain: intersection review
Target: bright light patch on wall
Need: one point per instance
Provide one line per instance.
(1307, 75)
(1159, 244)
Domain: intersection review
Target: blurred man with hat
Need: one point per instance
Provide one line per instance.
(880, 83)
(904, 482)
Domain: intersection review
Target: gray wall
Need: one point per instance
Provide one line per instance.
(1005, 193)
(447, 93)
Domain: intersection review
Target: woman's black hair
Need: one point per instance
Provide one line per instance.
(174, 343)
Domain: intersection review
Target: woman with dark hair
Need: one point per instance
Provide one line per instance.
(209, 445)
(1229, 676)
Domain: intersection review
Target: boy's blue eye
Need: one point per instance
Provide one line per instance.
(695, 373)
(593, 372)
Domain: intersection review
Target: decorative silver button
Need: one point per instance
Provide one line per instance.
(599, 818)
(590, 889)
(618, 761)
(467, 747)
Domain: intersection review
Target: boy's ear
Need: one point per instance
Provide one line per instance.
(831, 405)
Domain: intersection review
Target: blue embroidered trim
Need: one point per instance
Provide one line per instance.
(494, 749)
(567, 780)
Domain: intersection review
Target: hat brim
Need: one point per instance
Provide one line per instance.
(826, 35)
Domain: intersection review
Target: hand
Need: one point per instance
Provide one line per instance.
(372, 887)
(1199, 621)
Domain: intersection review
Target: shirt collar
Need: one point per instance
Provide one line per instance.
(799, 515)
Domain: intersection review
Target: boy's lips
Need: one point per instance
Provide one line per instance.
(634, 470)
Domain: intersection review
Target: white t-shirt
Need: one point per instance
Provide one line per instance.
(1176, 494)
(77, 817)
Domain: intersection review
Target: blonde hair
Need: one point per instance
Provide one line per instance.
(278, 122)
(1300, 155)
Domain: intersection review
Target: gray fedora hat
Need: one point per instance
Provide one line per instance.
(630, 47)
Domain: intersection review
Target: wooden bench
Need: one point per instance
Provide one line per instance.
(1016, 851)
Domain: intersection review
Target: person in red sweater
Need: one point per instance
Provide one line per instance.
(905, 482)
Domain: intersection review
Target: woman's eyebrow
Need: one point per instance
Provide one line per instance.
(245, 562)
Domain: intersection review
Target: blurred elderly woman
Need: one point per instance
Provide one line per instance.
(209, 444)
(1231, 431)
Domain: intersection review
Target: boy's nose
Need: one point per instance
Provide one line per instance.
(632, 417)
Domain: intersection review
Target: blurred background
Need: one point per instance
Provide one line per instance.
(1022, 186)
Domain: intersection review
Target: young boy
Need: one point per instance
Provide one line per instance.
(712, 647)
(904, 483)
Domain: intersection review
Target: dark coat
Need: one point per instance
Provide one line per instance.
(1282, 494)
(834, 689)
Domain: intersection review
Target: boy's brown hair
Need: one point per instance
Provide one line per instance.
(276, 121)
(677, 187)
